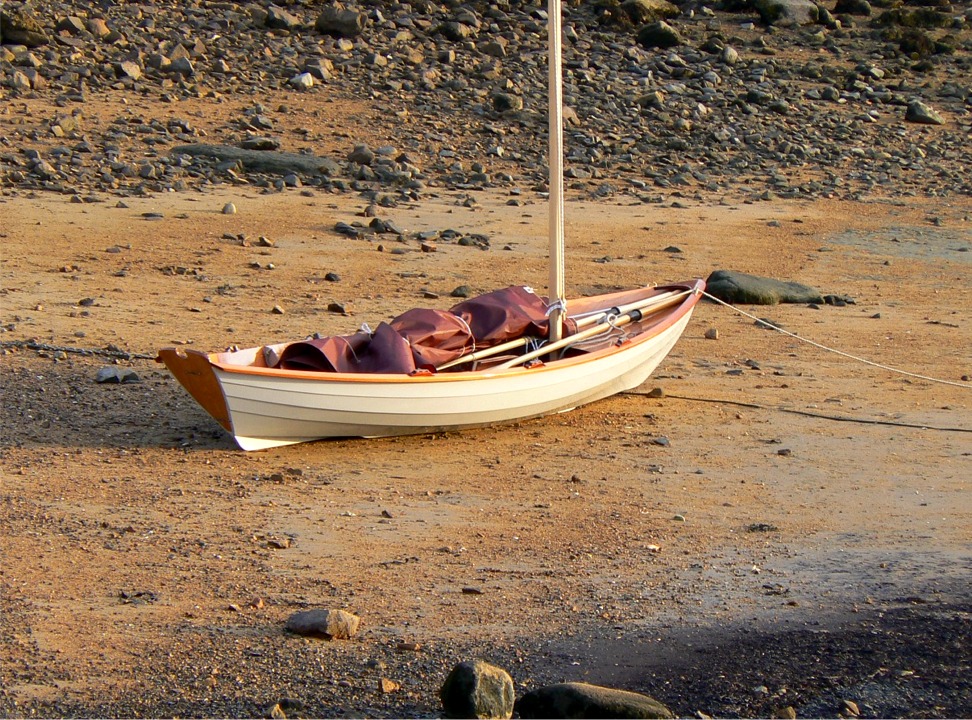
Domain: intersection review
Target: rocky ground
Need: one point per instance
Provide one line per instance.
(215, 173)
(851, 105)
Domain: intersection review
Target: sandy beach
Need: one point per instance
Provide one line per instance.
(773, 525)
(149, 566)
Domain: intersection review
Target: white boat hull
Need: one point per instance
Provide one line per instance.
(264, 407)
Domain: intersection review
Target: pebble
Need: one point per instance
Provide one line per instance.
(114, 374)
(388, 686)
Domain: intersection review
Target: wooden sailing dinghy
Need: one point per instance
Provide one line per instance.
(508, 355)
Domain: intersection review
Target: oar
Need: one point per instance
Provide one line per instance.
(633, 315)
(660, 299)
(619, 310)
(479, 355)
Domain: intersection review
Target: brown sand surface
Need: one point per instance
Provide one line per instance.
(698, 551)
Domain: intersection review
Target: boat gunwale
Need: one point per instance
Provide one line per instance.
(672, 317)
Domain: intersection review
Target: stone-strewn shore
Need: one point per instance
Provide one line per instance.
(747, 98)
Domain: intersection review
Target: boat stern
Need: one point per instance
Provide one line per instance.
(195, 373)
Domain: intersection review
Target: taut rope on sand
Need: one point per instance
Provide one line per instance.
(765, 323)
(110, 351)
(805, 413)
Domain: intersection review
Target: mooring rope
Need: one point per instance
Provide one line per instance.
(766, 323)
(104, 352)
(805, 413)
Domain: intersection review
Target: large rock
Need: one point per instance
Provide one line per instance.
(853, 7)
(341, 21)
(280, 19)
(19, 27)
(581, 700)
(456, 31)
(327, 624)
(648, 11)
(923, 114)
(736, 287)
(659, 35)
(786, 13)
(475, 689)
(262, 161)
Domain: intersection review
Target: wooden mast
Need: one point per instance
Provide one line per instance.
(556, 180)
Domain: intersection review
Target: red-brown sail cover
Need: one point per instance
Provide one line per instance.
(423, 339)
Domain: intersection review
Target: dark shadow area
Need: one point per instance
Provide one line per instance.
(60, 404)
(909, 658)
(910, 661)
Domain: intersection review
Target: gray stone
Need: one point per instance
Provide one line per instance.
(919, 112)
(581, 700)
(302, 81)
(654, 99)
(787, 13)
(659, 35)
(338, 20)
(327, 624)
(456, 31)
(279, 162)
(45, 170)
(361, 155)
(641, 12)
(182, 66)
(71, 24)
(320, 68)
(115, 374)
(503, 102)
(284, 708)
(280, 19)
(20, 80)
(853, 7)
(37, 80)
(98, 27)
(260, 143)
(495, 47)
(475, 689)
(736, 287)
(129, 69)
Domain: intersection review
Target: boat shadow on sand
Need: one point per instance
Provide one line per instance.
(60, 404)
